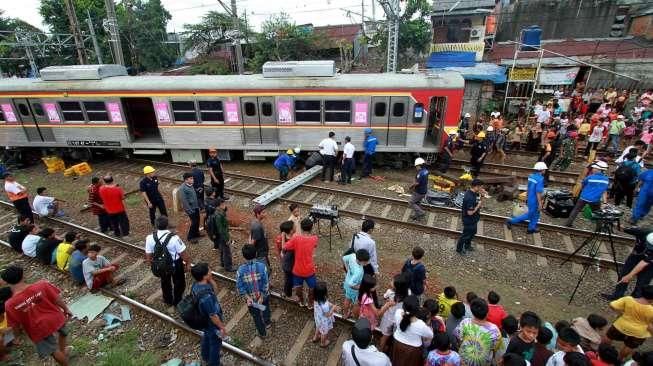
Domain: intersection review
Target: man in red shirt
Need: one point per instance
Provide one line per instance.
(96, 206)
(39, 310)
(112, 196)
(303, 270)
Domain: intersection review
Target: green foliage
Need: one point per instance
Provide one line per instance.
(210, 67)
(6, 51)
(281, 39)
(211, 32)
(123, 351)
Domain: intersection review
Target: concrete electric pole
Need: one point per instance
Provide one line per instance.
(391, 9)
(96, 46)
(111, 25)
(74, 29)
(236, 27)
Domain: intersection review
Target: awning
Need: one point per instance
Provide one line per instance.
(481, 71)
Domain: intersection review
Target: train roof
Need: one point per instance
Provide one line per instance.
(441, 80)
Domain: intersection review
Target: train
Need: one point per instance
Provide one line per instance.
(79, 109)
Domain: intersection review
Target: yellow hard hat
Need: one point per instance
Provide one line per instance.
(148, 169)
(290, 152)
(481, 135)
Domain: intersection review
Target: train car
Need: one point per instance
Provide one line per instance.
(291, 104)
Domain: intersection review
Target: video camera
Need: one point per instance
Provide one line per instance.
(608, 214)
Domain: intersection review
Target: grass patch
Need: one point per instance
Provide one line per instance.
(123, 351)
(134, 199)
(82, 345)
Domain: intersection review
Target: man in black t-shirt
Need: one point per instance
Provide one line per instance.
(478, 153)
(18, 232)
(637, 264)
(523, 343)
(257, 236)
(471, 214)
(216, 172)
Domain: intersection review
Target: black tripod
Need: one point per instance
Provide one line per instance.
(604, 226)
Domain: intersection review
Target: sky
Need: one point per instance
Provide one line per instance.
(317, 12)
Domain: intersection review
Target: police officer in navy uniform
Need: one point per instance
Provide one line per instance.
(534, 200)
(638, 264)
(471, 214)
(216, 172)
(149, 187)
(369, 145)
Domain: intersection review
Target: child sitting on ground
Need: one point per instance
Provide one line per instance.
(441, 353)
(495, 313)
(568, 342)
(447, 298)
(98, 271)
(542, 352)
(76, 260)
(590, 330)
(523, 343)
(323, 312)
(65, 249)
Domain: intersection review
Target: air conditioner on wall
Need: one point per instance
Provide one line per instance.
(477, 33)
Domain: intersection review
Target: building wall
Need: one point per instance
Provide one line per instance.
(642, 27)
(637, 68)
(557, 18)
(477, 95)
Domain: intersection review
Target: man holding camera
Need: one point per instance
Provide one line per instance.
(638, 264)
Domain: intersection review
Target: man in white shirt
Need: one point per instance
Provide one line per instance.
(640, 146)
(18, 196)
(568, 341)
(359, 351)
(328, 150)
(543, 115)
(30, 242)
(45, 205)
(363, 240)
(174, 285)
(347, 166)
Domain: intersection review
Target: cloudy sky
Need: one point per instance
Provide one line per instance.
(318, 12)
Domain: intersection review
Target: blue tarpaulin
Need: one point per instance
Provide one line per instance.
(481, 71)
(451, 58)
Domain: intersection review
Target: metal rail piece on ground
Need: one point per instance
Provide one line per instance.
(287, 186)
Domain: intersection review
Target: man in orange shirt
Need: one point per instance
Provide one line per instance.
(303, 269)
(112, 196)
(18, 196)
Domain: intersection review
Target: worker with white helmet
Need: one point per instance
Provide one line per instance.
(149, 187)
(594, 191)
(419, 188)
(463, 126)
(534, 199)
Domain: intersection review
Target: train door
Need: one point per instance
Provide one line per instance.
(30, 113)
(435, 128)
(259, 122)
(379, 118)
(397, 121)
(141, 120)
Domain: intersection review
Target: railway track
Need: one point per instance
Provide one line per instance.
(288, 341)
(551, 242)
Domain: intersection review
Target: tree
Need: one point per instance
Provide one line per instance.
(414, 29)
(15, 65)
(212, 32)
(281, 39)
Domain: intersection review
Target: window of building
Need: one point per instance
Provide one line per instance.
(96, 111)
(266, 109)
(379, 109)
(183, 110)
(250, 109)
(398, 109)
(72, 111)
(337, 111)
(211, 110)
(308, 111)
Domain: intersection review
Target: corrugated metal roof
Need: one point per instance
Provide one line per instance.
(440, 6)
(340, 31)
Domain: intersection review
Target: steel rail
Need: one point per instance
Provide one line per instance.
(553, 173)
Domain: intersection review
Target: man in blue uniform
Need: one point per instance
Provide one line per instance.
(594, 192)
(419, 188)
(284, 162)
(534, 201)
(216, 172)
(644, 198)
(149, 187)
(471, 214)
(370, 148)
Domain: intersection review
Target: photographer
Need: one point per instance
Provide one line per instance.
(637, 264)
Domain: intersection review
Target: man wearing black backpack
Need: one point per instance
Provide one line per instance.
(217, 228)
(203, 290)
(167, 256)
(625, 178)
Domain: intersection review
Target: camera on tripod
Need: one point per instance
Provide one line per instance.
(607, 215)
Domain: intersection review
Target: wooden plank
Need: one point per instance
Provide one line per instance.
(347, 203)
(310, 197)
(453, 224)
(142, 282)
(431, 219)
(575, 267)
(507, 234)
(386, 211)
(336, 352)
(239, 182)
(294, 194)
(366, 206)
(299, 343)
(247, 188)
(537, 240)
(263, 189)
(406, 215)
(329, 199)
(237, 317)
(124, 271)
(119, 258)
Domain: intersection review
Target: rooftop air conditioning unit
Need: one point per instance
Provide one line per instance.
(477, 33)
(291, 69)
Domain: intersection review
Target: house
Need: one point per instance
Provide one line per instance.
(641, 24)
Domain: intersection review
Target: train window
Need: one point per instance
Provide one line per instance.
(379, 109)
(398, 109)
(96, 111)
(266, 109)
(308, 111)
(22, 108)
(2, 116)
(38, 109)
(72, 111)
(211, 110)
(184, 110)
(250, 109)
(337, 111)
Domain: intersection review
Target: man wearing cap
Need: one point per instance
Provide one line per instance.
(216, 172)
(370, 148)
(198, 182)
(644, 198)
(616, 127)
(328, 150)
(594, 191)
(471, 214)
(359, 351)
(188, 199)
(420, 187)
(463, 126)
(478, 153)
(149, 187)
(534, 200)
(257, 236)
(284, 162)
(637, 264)
(347, 166)
(18, 196)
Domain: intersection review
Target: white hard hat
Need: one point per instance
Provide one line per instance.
(600, 164)
(467, 115)
(297, 150)
(540, 165)
(490, 128)
(419, 161)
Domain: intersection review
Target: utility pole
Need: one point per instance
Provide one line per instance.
(391, 9)
(236, 27)
(111, 25)
(74, 29)
(96, 46)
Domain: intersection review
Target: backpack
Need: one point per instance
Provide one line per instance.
(162, 265)
(189, 310)
(625, 173)
(211, 227)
